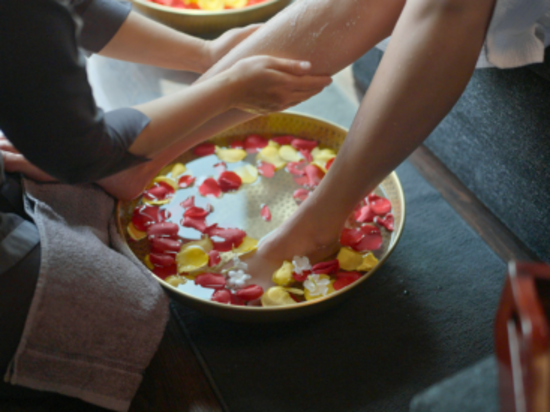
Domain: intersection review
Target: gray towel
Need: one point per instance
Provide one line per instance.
(97, 315)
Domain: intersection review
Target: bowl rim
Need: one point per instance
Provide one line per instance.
(260, 309)
(204, 13)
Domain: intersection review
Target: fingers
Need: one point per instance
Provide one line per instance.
(6, 146)
(16, 163)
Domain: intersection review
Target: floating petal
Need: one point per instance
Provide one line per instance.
(247, 173)
(231, 155)
(270, 155)
(283, 275)
(289, 154)
(276, 296)
(191, 258)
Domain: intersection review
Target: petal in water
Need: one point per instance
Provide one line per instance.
(265, 213)
(229, 181)
(266, 169)
(204, 149)
(210, 187)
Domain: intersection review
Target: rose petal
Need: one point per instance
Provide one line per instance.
(250, 292)
(164, 272)
(372, 239)
(349, 259)
(369, 262)
(247, 245)
(166, 180)
(283, 140)
(164, 229)
(146, 215)
(289, 154)
(283, 275)
(307, 155)
(379, 205)
(314, 175)
(351, 237)
(189, 202)
(214, 258)
(235, 300)
(301, 180)
(236, 144)
(386, 221)
(329, 163)
(196, 212)
(233, 237)
(266, 169)
(308, 145)
(162, 259)
(229, 181)
(191, 258)
(345, 279)
(177, 170)
(297, 168)
(210, 187)
(210, 280)
(365, 214)
(165, 245)
(300, 195)
(254, 143)
(221, 296)
(159, 191)
(231, 155)
(302, 276)
(204, 149)
(265, 213)
(186, 181)
(277, 296)
(247, 173)
(195, 223)
(328, 268)
(134, 233)
(270, 154)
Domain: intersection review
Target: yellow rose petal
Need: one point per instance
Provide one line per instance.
(323, 155)
(289, 154)
(236, 4)
(248, 245)
(167, 180)
(247, 173)
(230, 155)
(134, 233)
(349, 259)
(191, 258)
(175, 280)
(270, 154)
(283, 276)
(147, 261)
(271, 143)
(157, 202)
(178, 170)
(212, 5)
(369, 262)
(205, 244)
(276, 296)
(307, 293)
(295, 291)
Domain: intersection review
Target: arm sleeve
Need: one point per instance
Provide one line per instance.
(47, 109)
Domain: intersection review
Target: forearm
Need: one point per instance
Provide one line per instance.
(145, 41)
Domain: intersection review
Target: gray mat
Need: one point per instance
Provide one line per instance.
(425, 315)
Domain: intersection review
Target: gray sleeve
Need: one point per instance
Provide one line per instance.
(101, 19)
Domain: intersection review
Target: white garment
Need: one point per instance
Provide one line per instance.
(517, 36)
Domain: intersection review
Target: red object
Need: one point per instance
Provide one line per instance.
(314, 175)
(302, 276)
(165, 245)
(237, 144)
(351, 237)
(308, 145)
(328, 268)
(372, 239)
(221, 296)
(235, 300)
(344, 279)
(164, 229)
(210, 280)
(522, 338)
(229, 181)
(307, 154)
(164, 272)
(300, 195)
(266, 169)
(365, 214)
(265, 213)
(210, 187)
(186, 181)
(251, 292)
(329, 163)
(301, 180)
(189, 202)
(296, 168)
(204, 149)
(146, 215)
(195, 223)
(282, 140)
(232, 237)
(254, 143)
(196, 212)
(162, 259)
(214, 258)
(386, 221)
(160, 191)
(379, 205)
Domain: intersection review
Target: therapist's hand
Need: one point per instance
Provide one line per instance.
(15, 162)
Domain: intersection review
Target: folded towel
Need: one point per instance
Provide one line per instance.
(97, 315)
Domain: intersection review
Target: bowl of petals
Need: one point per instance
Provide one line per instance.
(209, 17)
(204, 214)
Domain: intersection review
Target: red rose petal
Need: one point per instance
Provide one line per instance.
(250, 293)
(210, 280)
(351, 237)
(233, 237)
(283, 140)
(162, 259)
(379, 205)
(386, 221)
(308, 145)
(195, 223)
(146, 215)
(344, 279)
(372, 239)
(210, 187)
(314, 175)
(186, 181)
(229, 181)
(266, 169)
(164, 229)
(160, 191)
(365, 214)
(297, 168)
(235, 300)
(196, 212)
(301, 180)
(329, 163)
(204, 149)
(214, 258)
(265, 213)
(307, 155)
(254, 143)
(165, 245)
(237, 144)
(302, 276)
(300, 195)
(221, 296)
(164, 272)
(328, 268)
(189, 202)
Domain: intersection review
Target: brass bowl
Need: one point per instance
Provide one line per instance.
(209, 23)
(327, 134)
